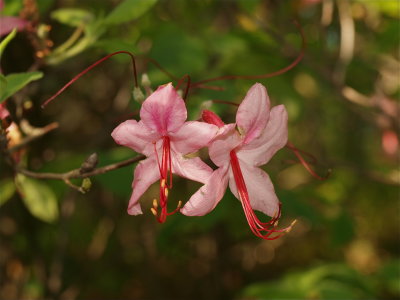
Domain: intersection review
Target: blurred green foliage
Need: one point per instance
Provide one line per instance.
(343, 104)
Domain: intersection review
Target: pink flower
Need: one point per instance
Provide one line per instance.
(8, 23)
(165, 138)
(4, 113)
(238, 150)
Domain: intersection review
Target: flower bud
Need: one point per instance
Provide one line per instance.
(90, 163)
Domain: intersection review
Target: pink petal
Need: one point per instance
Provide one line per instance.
(190, 168)
(4, 113)
(208, 196)
(7, 24)
(253, 112)
(259, 151)
(259, 186)
(146, 173)
(226, 140)
(135, 135)
(163, 111)
(192, 136)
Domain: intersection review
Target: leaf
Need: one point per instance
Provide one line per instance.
(11, 8)
(186, 54)
(3, 83)
(6, 40)
(390, 276)
(17, 81)
(7, 189)
(118, 181)
(39, 199)
(129, 10)
(113, 45)
(72, 16)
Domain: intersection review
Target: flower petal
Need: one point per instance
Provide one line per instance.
(146, 173)
(259, 151)
(253, 112)
(135, 135)
(208, 196)
(227, 139)
(4, 113)
(190, 168)
(163, 111)
(192, 136)
(259, 186)
(7, 24)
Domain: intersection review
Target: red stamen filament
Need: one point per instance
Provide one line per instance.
(91, 67)
(264, 230)
(305, 164)
(165, 169)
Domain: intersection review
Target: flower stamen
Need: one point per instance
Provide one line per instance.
(263, 230)
(165, 169)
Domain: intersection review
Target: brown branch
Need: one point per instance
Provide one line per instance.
(30, 138)
(77, 173)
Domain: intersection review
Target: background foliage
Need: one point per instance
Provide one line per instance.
(343, 103)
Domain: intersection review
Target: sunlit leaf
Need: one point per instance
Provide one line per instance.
(6, 40)
(7, 189)
(38, 198)
(72, 16)
(17, 81)
(129, 10)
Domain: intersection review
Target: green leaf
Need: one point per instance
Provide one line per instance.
(12, 8)
(6, 40)
(129, 10)
(3, 83)
(113, 45)
(72, 16)
(390, 276)
(38, 198)
(17, 81)
(7, 189)
(118, 181)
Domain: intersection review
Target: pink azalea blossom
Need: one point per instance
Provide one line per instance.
(8, 23)
(165, 138)
(238, 150)
(4, 113)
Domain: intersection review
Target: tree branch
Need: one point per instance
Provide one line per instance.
(78, 173)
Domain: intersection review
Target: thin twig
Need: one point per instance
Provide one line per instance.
(77, 173)
(30, 138)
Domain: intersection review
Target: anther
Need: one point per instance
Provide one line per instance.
(291, 225)
(154, 211)
(162, 183)
(178, 207)
(155, 203)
